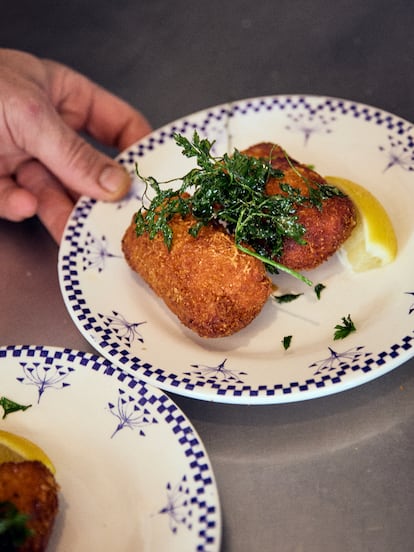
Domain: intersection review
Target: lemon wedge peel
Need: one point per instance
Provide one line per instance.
(373, 242)
(14, 448)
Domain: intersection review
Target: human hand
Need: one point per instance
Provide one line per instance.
(44, 163)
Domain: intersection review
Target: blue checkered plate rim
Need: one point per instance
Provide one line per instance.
(131, 468)
(128, 324)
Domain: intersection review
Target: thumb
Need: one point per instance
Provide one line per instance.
(78, 165)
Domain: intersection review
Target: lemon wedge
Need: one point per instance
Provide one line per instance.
(14, 448)
(373, 242)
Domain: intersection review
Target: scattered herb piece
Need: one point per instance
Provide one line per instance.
(13, 527)
(230, 191)
(11, 406)
(287, 340)
(343, 330)
(318, 290)
(287, 297)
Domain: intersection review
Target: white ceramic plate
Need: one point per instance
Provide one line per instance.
(133, 473)
(127, 323)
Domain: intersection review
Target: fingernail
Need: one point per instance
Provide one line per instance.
(113, 179)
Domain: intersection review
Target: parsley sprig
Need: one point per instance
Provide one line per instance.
(13, 527)
(10, 406)
(230, 190)
(344, 329)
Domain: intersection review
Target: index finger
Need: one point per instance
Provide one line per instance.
(114, 121)
(84, 105)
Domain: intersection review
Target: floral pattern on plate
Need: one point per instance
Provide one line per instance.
(132, 471)
(126, 323)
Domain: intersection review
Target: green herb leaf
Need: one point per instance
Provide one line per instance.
(318, 290)
(10, 406)
(13, 527)
(287, 297)
(230, 191)
(287, 340)
(344, 329)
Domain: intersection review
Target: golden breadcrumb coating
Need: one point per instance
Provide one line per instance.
(209, 284)
(326, 228)
(32, 488)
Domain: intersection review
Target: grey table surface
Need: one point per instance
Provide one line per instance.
(330, 474)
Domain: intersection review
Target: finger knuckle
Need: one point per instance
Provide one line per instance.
(80, 156)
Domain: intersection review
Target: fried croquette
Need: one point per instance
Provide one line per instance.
(213, 287)
(326, 229)
(32, 489)
(206, 281)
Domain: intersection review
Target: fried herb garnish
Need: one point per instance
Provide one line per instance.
(286, 342)
(230, 191)
(287, 297)
(13, 527)
(10, 406)
(318, 290)
(344, 329)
